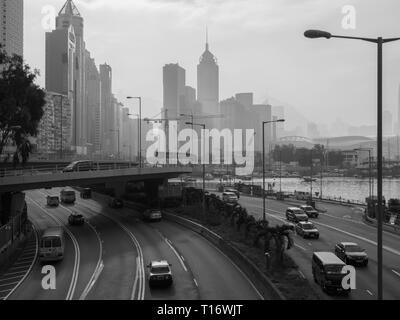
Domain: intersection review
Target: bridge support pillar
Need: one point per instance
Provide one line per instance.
(118, 187)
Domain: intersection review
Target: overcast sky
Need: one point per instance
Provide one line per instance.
(259, 45)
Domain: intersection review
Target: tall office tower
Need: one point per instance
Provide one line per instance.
(93, 125)
(106, 109)
(12, 26)
(67, 17)
(174, 79)
(258, 114)
(208, 85)
(116, 125)
(60, 70)
(245, 99)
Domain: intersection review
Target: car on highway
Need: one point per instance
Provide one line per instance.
(160, 273)
(296, 215)
(307, 230)
(76, 219)
(79, 166)
(53, 201)
(237, 193)
(116, 203)
(86, 193)
(152, 215)
(327, 270)
(310, 211)
(52, 245)
(229, 197)
(351, 253)
(68, 196)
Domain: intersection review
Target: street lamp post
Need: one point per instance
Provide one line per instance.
(204, 165)
(313, 34)
(139, 129)
(263, 161)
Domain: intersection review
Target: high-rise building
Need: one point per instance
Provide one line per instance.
(12, 26)
(208, 85)
(93, 125)
(107, 110)
(208, 80)
(68, 17)
(174, 80)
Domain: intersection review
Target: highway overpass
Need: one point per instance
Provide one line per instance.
(51, 177)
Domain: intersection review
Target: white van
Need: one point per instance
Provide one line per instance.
(52, 245)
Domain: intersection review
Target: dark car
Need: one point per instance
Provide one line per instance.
(76, 220)
(86, 193)
(116, 203)
(296, 215)
(233, 191)
(307, 230)
(351, 253)
(310, 211)
(160, 273)
(152, 215)
(79, 166)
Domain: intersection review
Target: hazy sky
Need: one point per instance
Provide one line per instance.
(259, 45)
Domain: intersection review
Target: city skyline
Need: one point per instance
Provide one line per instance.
(247, 63)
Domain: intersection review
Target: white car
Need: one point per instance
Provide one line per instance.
(229, 197)
(160, 273)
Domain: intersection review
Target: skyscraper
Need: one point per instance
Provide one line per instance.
(208, 84)
(12, 26)
(57, 49)
(93, 125)
(174, 79)
(107, 114)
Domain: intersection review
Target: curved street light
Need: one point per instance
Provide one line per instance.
(313, 34)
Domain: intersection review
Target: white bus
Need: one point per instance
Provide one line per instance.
(68, 196)
(52, 244)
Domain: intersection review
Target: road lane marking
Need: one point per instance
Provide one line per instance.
(9, 284)
(12, 273)
(10, 278)
(370, 293)
(298, 246)
(141, 288)
(136, 279)
(195, 282)
(169, 243)
(98, 269)
(99, 266)
(10, 292)
(396, 273)
(75, 272)
(302, 275)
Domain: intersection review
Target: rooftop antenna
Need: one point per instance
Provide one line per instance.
(207, 46)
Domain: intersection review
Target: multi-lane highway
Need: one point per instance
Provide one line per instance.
(340, 223)
(107, 257)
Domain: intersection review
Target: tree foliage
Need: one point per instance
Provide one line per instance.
(289, 153)
(21, 105)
